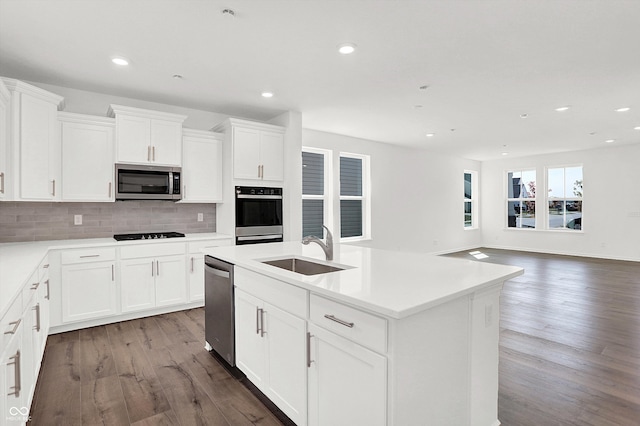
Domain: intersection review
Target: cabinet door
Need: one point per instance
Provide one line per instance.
(15, 407)
(166, 142)
(287, 370)
(250, 355)
(88, 291)
(246, 153)
(202, 170)
(137, 284)
(196, 277)
(347, 383)
(171, 284)
(4, 141)
(272, 155)
(133, 139)
(87, 162)
(39, 150)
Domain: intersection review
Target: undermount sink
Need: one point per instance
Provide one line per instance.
(301, 266)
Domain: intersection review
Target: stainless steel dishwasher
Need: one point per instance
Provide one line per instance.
(219, 308)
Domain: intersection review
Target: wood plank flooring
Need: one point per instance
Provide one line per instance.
(149, 371)
(569, 341)
(569, 355)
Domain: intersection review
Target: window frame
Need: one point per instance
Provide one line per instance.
(365, 197)
(548, 199)
(327, 197)
(521, 199)
(473, 201)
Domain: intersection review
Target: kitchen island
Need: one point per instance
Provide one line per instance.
(392, 338)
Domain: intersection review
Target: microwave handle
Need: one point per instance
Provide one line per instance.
(170, 183)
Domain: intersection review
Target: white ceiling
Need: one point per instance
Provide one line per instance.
(485, 62)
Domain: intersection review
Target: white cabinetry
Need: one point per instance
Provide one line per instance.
(270, 340)
(88, 284)
(87, 157)
(195, 265)
(201, 166)
(35, 144)
(145, 136)
(258, 149)
(152, 276)
(5, 100)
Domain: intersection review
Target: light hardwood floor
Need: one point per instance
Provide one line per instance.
(569, 355)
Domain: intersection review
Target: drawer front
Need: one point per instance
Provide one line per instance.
(30, 290)
(358, 326)
(98, 254)
(152, 250)
(11, 321)
(285, 296)
(44, 269)
(197, 246)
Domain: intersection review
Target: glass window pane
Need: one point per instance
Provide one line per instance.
(467, 214)
(528, 184)
(350, 176)
(527, 215)
(467, 186)
(312, 218)
(556, 183)
(556, 214)
(350, 218)
(312, 173)
(573, 182)
(574, 214)
(513, 213)
(513, 185)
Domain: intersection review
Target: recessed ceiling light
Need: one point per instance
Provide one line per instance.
(636, 128)
(524, 115)
(346, 48)
(425, 87)
(610, 140)
(177, 77)
(118, 60)
(563, 108)
(417, 106)
(430, 135)
(623, 109)
(229, 13)
(505, 153)
(267, 94)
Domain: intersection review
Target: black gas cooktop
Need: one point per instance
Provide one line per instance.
(147, 236)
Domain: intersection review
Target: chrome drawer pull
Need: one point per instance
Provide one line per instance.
(89, 255)
(37, 309)
(16, 375)
(15, 325)
(35, 286)
(339, 321)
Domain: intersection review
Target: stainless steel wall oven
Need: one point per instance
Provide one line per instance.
(258, 215)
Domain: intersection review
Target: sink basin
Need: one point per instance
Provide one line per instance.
(302, 266)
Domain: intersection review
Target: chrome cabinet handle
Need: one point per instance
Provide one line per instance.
(16, 374)
(153, 153)
(47, 283)
(54, 187)
(1, 182)
(149, 153)
(262, 332)
(157, 268)
(89, 255)
(339, 321)
(259, 170)
(191, 264)
(152, 266)
(37, 309)
(45, 266)
(258, 320)
(110, 184)
(113, 272)
(309, 360)
(35, 286)
(15, 325)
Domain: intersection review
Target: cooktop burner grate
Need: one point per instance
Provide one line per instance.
(147, 236)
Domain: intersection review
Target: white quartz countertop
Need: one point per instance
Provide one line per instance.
(19, 260)
(390, 283)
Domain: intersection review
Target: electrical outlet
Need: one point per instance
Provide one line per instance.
(77, 219)
(200, 217)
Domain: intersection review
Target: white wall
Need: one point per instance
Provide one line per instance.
(417, 196)
(610, 201)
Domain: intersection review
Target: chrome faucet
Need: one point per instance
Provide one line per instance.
(327, 248)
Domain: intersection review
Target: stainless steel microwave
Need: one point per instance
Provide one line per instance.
(142, 182)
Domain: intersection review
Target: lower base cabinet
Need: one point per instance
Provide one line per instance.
(347, 382)
(88, 291)
(152, 282)
(270, 349)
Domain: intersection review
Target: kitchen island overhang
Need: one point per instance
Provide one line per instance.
(441, 326)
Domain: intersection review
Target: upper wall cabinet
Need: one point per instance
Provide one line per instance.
(145, 136)
(35, 145)
(5, 104)
(258, 149)
(201, 166)
(87, 157)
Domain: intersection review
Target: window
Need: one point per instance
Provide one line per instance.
(470, 197)
(315, 191)
(565, 197)
(353, 203)
(521, 199)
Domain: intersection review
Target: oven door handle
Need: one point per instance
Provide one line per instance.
(260, 237)
(260, 197)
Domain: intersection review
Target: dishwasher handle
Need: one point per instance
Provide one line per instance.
(217, 272)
